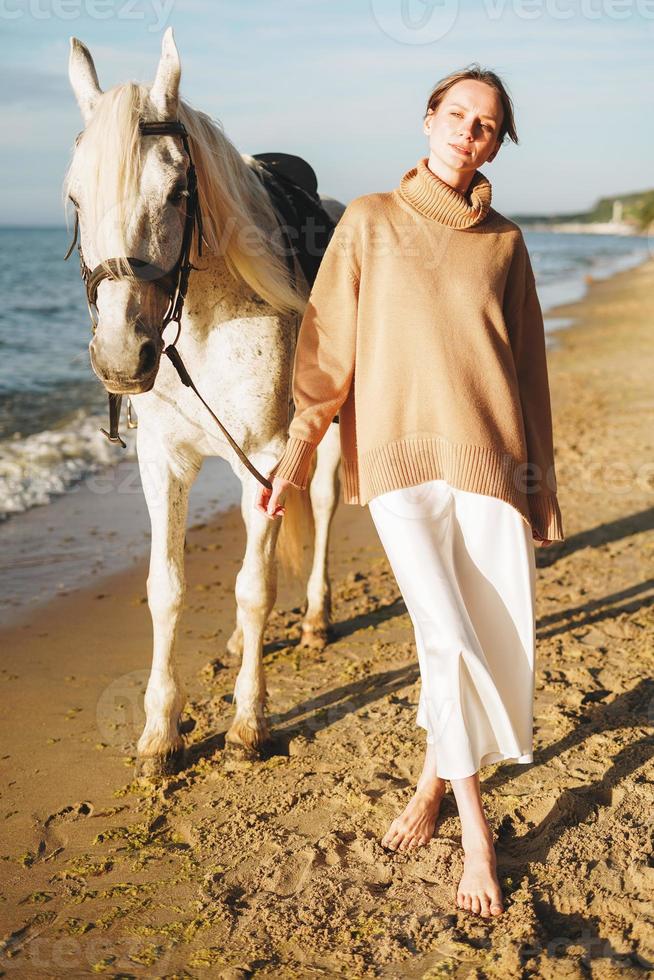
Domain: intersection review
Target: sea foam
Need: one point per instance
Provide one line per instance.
(38, 467)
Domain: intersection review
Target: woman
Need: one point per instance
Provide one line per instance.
(424, 332)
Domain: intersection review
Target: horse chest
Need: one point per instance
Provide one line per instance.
(240, 368)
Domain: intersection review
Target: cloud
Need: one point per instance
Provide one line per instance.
(31, 87)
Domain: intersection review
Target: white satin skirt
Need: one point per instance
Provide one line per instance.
(465, 565)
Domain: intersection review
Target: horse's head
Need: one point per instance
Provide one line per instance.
(131, 194)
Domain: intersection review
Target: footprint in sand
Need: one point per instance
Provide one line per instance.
(371, 854)
(71, 812)
(49, 831)
(545, 818)
(28, 932)
(334, 847)
(292, 874)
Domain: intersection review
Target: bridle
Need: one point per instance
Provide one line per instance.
(173, 283)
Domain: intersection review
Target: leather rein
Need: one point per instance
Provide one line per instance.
(174, 284)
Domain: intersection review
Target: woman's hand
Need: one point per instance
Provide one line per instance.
(541, 542)
(270, 502)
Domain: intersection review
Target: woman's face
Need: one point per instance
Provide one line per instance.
(469, 117)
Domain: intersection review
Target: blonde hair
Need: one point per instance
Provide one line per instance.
(231, 195)
(479, 74)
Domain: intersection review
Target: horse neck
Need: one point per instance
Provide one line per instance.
(212, 288)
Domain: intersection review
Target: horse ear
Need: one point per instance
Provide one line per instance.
(83, 78)
(165, 88)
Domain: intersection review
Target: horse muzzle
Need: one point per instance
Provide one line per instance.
(131, 371)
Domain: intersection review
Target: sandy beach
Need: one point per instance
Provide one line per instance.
(274, 868)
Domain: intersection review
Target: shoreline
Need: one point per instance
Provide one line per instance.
(274, 868)
(96, 530)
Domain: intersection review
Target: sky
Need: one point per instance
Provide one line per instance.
(343, 83)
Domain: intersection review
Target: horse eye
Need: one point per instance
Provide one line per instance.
(177, 194)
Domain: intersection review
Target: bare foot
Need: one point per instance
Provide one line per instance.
(479, 890)
(416, 824)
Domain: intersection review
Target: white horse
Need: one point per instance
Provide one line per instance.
(238, 335)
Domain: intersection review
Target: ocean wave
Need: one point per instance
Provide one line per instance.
(38, 467)
(45, 309)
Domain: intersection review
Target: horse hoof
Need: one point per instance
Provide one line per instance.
(156, 766)
(236, 752)
(315, 638)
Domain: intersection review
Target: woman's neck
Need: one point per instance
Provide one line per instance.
(436, 199)
(459, 180)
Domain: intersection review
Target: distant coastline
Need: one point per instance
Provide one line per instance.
(585, 228)
(622, 214)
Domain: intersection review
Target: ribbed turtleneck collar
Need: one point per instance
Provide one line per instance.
(430, 195)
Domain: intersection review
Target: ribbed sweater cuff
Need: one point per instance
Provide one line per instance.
(294, 464)
(546, 516)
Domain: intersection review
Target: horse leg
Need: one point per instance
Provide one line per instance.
(166, 492)
(234, 645)
(256, 591)
(324, 490)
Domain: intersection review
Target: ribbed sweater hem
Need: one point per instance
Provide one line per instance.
(477, 469)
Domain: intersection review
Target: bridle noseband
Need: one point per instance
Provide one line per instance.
(174, 284)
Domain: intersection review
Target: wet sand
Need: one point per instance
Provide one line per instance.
(274, 868)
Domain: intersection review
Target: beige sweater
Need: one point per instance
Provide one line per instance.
(423, 331)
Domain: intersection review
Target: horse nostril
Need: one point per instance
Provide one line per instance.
(147, 358)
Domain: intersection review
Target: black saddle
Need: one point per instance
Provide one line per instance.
(292, 186)
(292, 168)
